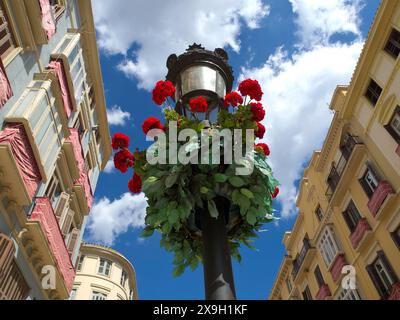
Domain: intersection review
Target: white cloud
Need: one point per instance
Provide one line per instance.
(318, 21)
(109, 167)
(158, 28)
(117, 117)
(109, 219)
(298, 88)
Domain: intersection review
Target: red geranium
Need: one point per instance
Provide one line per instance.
(135, 184)
(120, 140)
(276, 192)
(151, 123)
(233, 99)
(258, 111)
(162, 91)
(198, 104)
(251, 88)
(123, 160)
(262, 147)
(260, 131)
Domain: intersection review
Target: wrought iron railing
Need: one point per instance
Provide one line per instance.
(297, 263)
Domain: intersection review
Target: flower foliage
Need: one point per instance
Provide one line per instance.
(177, 192)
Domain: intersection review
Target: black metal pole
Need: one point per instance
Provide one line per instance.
(218, 275)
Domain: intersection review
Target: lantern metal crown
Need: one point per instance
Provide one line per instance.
(200, 72)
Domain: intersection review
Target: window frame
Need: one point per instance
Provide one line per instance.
(307, 293)
(9, 31)
(319, 277)
(371, 93)
(80, 262)
(319, 213)
(396, 236)
(108, 263)
(344, 294)
(351, 216)
(124, 278)
(389, 128)
(366, 185)
(98, 294)
(389, 42)
(325, 242)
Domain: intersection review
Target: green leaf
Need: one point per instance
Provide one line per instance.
(173, 216)
(194, 263)
(221, 178)
(212, 209)
(147, 232)
(178, 271)
(236, 182)
(148, 183)
(204, 190)
(247, 193)
(251, 219)
(171, 180)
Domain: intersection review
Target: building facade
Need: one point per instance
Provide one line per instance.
(345, 243)
(54, 142)
(103, 274)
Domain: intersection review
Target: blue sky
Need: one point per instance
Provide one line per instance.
(299, 50)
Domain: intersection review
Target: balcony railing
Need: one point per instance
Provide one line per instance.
(338, 168)
(323, 292)
(359, 233)
(297, 263)
(337, 266)
(378, 198)
(395, 292)
(44, 215)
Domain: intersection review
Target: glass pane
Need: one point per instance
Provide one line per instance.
(198, 78)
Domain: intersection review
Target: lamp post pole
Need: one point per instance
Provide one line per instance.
(200, 72)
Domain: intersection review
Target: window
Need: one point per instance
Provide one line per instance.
(328, 246)
(393, 44)
(319, 277)
(98, 137)
(319, 213)
(351, 216)
(289, 284)
(105, 266)
(80, 263)
(396, 236)
(57, 7)
(382, 274)
(98, 296)
(124, 277)
(54, 190)
(7, 42)
(307, 294)
(373, 92)
(369, 182)
(348, 295)
(79, 126)
(73, 294)
(393, 127)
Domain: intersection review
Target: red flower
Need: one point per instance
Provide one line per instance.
(276, 192)
(162, 91)
(198, 104)
(151, 123)
(123, 160)
(120, 140)
(251, 88)
(260, 131)
(135, 184)
(233, 99)
(258, 111)
(262, 147)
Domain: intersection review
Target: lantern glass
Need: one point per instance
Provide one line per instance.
(202, 77)
(211, 114)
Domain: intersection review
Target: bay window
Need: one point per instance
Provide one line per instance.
(348, 294)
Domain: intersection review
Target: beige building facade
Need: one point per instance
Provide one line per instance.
(345, 243)
(103, 274)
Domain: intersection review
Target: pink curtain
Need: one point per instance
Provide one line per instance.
(5, 88)
(14, 135)
(48, 20)
(84, 179)
(59, 69)
(44, 214)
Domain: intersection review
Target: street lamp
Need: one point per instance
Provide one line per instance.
(200, 72)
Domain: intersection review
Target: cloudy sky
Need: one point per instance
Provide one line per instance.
(299, 50)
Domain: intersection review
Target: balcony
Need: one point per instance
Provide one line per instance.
(337, 266)
(395, 293)
(324, 292)
(378, 198)
(360, 233)
(20, 172)
(303, 259)
(341, 172)
(6, 91)
(81, 184)
(47, 238)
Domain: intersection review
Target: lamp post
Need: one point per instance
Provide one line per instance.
(200, 72)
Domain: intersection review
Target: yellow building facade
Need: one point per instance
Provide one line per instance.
(103, 274)
(345, 243)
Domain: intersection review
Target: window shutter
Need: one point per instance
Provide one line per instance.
(348, 220)
(73, 240)
(388, 266)
(7, 251)
(319, 277)
(62, 206)
(376, 281)
(366, 187)
(66, 225)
